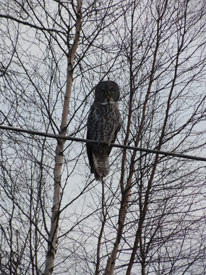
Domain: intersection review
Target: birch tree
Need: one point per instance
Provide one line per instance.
(60, 145)
(40, 60)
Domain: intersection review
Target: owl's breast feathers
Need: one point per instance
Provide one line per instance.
(103, 125)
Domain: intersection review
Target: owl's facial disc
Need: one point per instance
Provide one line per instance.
(107, 92)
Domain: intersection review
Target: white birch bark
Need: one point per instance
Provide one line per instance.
(52, 240)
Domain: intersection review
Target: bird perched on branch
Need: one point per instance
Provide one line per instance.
(102, 126)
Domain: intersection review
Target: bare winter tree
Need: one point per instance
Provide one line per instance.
(160, 55)
(148, 217)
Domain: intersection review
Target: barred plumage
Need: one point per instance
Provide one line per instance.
(103, 125)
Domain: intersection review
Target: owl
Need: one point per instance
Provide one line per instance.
(103, 124)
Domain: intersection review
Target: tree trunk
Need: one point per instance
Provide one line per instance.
(52, 240)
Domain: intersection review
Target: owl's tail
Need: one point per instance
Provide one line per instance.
(100, 161)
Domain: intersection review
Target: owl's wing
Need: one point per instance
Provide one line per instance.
(115, 136)
(118, 125)
(90, 135)
(101, 127)
(89, 152)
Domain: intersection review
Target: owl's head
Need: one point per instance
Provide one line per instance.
(107, 91)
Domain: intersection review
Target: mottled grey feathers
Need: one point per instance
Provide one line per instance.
(103, 125)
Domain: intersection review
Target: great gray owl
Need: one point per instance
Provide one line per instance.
(103, 125)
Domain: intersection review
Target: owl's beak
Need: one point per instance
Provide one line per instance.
(108, 99)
